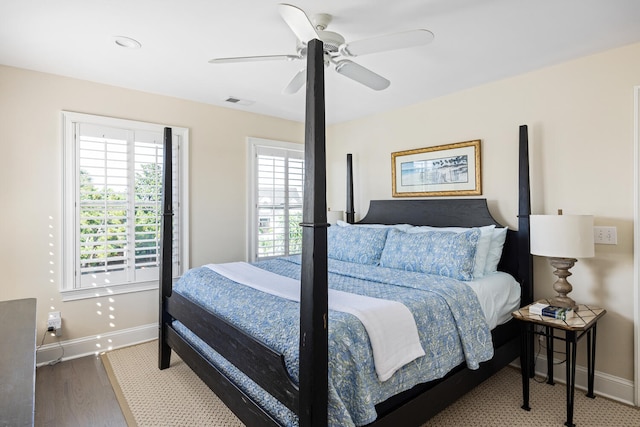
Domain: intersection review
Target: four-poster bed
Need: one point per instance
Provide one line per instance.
(180, 318)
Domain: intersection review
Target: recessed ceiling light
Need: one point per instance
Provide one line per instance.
(127, 42)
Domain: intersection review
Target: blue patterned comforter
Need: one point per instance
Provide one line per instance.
(450, 322)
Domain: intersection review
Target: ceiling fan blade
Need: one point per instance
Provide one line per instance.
(362, 75)
(299, 22)
(388, 42)
(252, 59)
(296, 83)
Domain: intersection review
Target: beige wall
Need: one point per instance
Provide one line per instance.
(31, 176)
(580, 118)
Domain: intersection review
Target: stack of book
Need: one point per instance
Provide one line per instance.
(542, 309)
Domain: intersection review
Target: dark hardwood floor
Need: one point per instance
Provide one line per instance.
(76, 393)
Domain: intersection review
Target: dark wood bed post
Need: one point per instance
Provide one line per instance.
(525, 260)
(351, 214)
(166, 249)
(313, 293)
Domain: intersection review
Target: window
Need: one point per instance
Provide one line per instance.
(113, 204)
(277, 174)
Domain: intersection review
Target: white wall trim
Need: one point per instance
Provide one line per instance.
(605, 385)
(101, 291)
(68, 275)
(636, 241)
(96, 344)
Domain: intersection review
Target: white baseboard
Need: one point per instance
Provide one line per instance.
(96, 344)
(605, 385)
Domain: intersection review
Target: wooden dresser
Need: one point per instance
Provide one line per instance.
(17, 362)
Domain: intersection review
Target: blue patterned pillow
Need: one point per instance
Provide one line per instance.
(443, 253)
(360, 245)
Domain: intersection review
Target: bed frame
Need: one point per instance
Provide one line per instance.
(266, 367)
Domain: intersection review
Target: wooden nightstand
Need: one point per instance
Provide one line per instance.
(583, 323)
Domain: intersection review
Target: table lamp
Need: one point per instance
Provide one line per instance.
(562, 239)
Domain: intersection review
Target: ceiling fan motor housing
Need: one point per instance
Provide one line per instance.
(332, 41)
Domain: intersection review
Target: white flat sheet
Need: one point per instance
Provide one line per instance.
(391, 327)
(499, 296)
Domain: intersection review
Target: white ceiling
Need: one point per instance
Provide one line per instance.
(476, 41)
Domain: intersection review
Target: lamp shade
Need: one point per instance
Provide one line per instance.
(562, 236)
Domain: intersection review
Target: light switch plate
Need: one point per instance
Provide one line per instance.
(605, 235)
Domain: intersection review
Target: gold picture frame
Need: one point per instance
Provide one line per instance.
(443, 170)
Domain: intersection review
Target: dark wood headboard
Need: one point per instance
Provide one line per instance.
(434, 212)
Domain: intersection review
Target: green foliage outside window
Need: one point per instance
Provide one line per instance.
(103, 221)
(295, 233)
(273, 243)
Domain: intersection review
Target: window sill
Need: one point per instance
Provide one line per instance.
(97, 292)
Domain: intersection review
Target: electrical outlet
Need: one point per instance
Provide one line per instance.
(54, 321)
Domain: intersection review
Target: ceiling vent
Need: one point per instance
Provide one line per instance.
(238, 101)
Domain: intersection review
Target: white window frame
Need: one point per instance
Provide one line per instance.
(69, 286)
(252, 202)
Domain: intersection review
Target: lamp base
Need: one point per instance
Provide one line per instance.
(564, 302)
(562, 286)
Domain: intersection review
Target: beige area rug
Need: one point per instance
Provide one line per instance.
(174, 396)
(177, 397)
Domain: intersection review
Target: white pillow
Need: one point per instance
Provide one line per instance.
(482, 250)
(495, 250)
(401, 227)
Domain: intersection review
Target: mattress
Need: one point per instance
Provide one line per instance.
(499, 295)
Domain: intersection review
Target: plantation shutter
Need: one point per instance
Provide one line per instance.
(280, 174)
(119, 205)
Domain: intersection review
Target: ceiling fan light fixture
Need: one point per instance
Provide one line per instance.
(362, 75)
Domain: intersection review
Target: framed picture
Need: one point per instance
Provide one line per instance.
(444, 170)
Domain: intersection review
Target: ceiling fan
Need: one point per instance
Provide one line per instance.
(336, 50)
